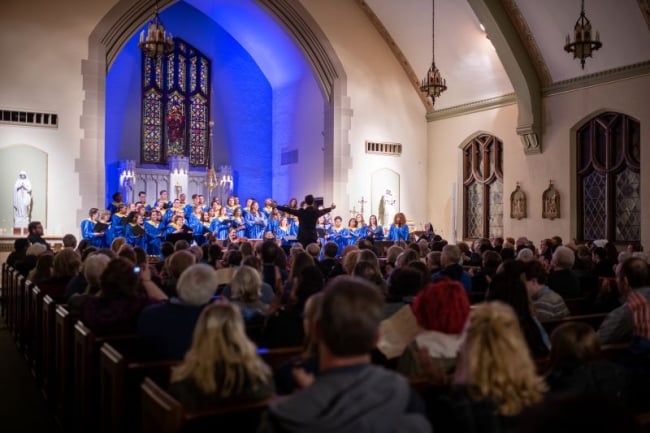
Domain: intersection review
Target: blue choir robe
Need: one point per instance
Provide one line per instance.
(201, 232)
(154, 235)
(255, 225)
(240, 225)
(88, 233)
(272, 225)
(188, 210)
(134, 237)
(267, 211)
(361, 232)
(377, 233)
(114, 207)
(353, 236)
(282, 233)
(398, 233)
(219, 227)
(339, 236)
(118, 223)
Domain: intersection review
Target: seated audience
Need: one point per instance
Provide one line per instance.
(283, 376)
(632, 319)
(548, 304)
(115, 309)
(441, 310)
(508, 287)
(222, 364)
(66, 266)
(43, 269)
(451, 267)
(246, 287)
(495, 377)
(562, 280)
(167, 327)
(93, 268)
(350, 394)
(576, 365)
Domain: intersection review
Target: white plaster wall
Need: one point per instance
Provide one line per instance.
(43, 44)
(563, 113)
(384, 107)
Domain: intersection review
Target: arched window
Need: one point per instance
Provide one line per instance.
(483, 187)
(609, 179)
(176, 106)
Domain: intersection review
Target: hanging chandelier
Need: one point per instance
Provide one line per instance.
(582, 46)
(433, 84)
(156, 41)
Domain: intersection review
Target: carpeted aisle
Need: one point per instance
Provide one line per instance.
(22, 407)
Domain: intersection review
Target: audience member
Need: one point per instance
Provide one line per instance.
(495, 377)
(562, 280)
(350, 394)
(167, 327)
(548, 305)
(451, 267)
(632, 319)
(222, 364)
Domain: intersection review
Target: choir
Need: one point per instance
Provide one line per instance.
(148, 225)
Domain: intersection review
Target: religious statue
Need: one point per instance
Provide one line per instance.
(551, 202)
(518, 203)
(386, 208)
(175, 131)
(22, 200)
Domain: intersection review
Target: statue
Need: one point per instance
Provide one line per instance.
(551, 202)
(386, 209)
(518, 203)
(22, 201)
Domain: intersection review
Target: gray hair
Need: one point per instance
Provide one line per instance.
(246, 284)
(525, 255)
(197, 284)
(94, 265)
(452, 252)
(564, 257)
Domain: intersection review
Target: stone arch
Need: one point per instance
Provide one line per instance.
(119, 24)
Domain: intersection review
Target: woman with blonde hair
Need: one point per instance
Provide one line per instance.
(495, 377)
(246, 287)
(222, 364)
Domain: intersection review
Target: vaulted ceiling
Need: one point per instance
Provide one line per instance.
(475, 70)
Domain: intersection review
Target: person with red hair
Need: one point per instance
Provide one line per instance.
(441, 310)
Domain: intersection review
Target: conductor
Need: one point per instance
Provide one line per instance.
(307, 218)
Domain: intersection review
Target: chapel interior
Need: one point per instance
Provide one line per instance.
(295, 97)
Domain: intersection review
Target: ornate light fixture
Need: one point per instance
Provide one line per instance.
(156, 41)
(433, 84)
(582, 46)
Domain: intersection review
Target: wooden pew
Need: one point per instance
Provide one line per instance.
(47, 350)
(28, 321)
(577, 306)
(277, 356)
(85, 375)
(64, 333)
(594, 320)
(36, 347)
(123, 366)
(162, 413)
(6, 271)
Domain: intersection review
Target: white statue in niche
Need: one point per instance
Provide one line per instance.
(386, 209)
(22, 200)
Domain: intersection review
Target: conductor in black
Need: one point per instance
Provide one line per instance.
(307, 219)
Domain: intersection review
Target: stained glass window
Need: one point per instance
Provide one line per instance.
(483, 187)
(176, 106)
(609, 178)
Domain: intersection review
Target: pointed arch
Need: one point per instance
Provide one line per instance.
(482, 180)
(608, 177)
(127, 16)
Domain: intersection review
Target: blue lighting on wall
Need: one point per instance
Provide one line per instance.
(242, 101)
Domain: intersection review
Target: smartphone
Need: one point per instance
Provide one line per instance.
(136, 270)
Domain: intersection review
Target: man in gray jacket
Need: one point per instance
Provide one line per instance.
(350, 394)
(633, 317)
